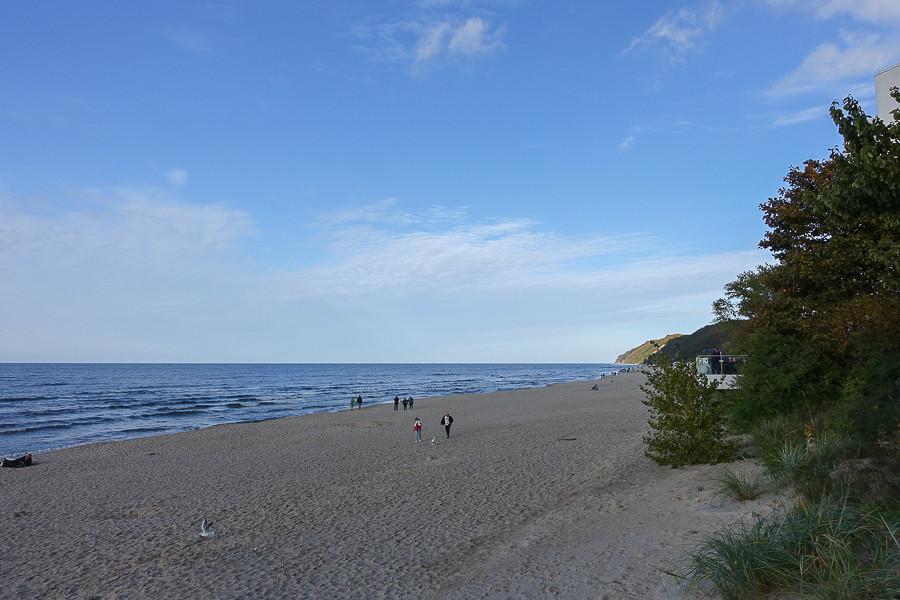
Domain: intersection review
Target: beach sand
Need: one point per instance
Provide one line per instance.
(540, 493)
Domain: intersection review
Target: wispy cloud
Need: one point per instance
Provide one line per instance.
(801, 116)
(177, 177)
(137, 264)
(855, 56)
(872, 11)
(445, 41)
(429, 40)
(834, 67)
(188, 38)
(475, 37)
(679, 33)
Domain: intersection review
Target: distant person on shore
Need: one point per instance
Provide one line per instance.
(447, 421)
(405, 402)
(410, 402)
(359, 401)
(352, 402)
(396, 402)
(417, 427)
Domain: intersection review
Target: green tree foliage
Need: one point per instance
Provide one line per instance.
(686, 419)
(828, 311)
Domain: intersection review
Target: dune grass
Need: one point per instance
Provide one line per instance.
(821, 550)
(740, 487)
(838, 543)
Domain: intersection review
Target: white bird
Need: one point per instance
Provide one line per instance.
(432, 440)
(205, 530)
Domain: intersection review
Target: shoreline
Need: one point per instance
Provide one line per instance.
(540, 492)
(53, 407)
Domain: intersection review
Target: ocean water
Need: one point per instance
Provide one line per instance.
(54, 406)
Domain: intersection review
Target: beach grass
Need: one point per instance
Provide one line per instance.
(740, 487)
(826, 549)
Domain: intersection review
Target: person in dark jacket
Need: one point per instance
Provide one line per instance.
(15, 463)
(447, 421)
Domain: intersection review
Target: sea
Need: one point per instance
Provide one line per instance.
(46, 407)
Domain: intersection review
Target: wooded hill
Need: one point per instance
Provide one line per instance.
(637, 356)
(717, 335)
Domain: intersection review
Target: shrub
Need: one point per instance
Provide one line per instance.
(783, 376)
(685, 417)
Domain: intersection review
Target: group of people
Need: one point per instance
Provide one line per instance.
(407, 402)
(446, 420)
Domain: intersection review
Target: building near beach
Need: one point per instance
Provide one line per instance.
(884, 81)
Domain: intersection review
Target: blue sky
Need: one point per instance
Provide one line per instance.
(401, 181)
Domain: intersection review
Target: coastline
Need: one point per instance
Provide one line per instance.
(539, 492)
(48, 407)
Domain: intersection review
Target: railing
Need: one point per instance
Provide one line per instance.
(720, 364)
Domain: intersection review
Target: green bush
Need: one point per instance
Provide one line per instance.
(868, 407)
(685, 417)
(783, 376)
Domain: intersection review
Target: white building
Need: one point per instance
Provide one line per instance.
(884, 81)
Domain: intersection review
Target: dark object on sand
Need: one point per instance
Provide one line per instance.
(15, 463)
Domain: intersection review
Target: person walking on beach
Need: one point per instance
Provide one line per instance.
(410, 402)
(417, 427)
(352, 402)
(396, 402)
(447, 421)
(359, 401)
(405, 402)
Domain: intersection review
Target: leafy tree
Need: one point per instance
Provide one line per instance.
(685, 417)
(743, 297)
(829, 308)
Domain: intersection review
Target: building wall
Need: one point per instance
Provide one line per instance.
(884, 81)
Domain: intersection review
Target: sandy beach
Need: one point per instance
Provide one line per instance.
(539, 493)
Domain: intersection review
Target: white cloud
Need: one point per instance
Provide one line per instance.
(430, 38)
(474, 37)
(627, 143)
(679, 33)
(801, 116)
(177, 177)
(131, 229)
(431, 42)
(130, 274)
(856, 56)
(872, 11)
(447, 41)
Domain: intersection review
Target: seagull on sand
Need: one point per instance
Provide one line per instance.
(205, 531)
